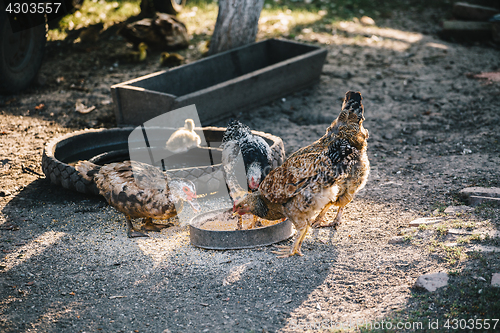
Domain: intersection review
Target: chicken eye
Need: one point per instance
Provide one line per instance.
(185, 189)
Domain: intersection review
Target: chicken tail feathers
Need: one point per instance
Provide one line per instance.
(87, 169)
(352, 108)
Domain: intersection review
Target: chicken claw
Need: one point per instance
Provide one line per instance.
(131, 231)
(285, 252)
(150, 226)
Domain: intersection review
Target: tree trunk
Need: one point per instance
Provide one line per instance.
(237, 24)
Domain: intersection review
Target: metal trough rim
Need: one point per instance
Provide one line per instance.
(204, 238)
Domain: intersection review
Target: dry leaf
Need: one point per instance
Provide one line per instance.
(81, 108)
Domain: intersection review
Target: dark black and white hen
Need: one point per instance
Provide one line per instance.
(256, 155)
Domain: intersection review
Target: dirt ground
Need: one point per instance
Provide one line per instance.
(68, 266)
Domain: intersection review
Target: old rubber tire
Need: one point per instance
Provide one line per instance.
(169, 6)
(60, 155)
(21, 55)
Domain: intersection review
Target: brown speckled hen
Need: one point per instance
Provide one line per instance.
(328, 172)
(116, 182)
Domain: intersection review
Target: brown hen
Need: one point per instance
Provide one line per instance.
(138, 190)
(328, 172)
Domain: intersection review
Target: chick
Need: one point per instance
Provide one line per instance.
(137, 56)
(184, 138)
(171, 59)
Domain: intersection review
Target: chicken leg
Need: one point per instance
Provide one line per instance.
(341, 202)
(285, 251)
(133, 232)
(319, 219)
(255, 223)
(239, 225)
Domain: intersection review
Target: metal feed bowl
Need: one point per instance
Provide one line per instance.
(235, 239)
(111, 145)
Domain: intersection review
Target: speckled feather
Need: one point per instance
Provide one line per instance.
(117, 184)
(332, 169)
(253, 147)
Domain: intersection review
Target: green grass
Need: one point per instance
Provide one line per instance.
(286, 18)
(93, 12)
(442, 230)
(465, 297)
(461, 224)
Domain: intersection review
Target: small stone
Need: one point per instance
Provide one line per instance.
(388, 136)
(475, 200)
(378, 75)
(494, 234)
(431, 282)
(483, 248)
(477, 195)
(495, 280)
(425, 220)
(458, 232)
(396, 240)
(365, 20)
(458, 209)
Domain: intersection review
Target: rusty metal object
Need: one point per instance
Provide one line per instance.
(236, 239)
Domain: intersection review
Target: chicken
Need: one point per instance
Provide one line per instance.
(328, 172)
(184, 138)
(254, 149)
(171, 59)
(256, 155)
(117, 182)
(136, 56)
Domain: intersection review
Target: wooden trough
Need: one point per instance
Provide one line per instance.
(220, 85)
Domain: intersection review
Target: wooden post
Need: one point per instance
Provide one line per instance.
(237, 24)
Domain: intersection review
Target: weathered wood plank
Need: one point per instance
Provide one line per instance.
(467, 11)
(221, 85)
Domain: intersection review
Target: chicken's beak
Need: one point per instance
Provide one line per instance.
(253, 184)
(194, 204)
(236, 211)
